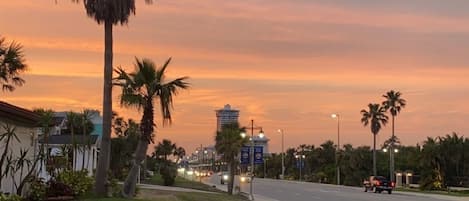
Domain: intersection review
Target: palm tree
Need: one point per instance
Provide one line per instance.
(139, 89)
(375, 116)
(109, 12)
(228, 143)
(179, 152)
(164, 149)
(394, 103)
(86, 138)
(11, 65)
(46, 121)
(73, 119)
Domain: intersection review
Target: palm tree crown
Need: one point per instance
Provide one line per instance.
(375, 116)
(394, 103)
(11, 64)
(139, 89)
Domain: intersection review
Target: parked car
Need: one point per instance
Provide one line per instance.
(225, 177)
(378, 184)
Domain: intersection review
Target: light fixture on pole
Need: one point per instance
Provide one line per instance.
(336, 116)
(300, 158)
(261, 135)
(283, 154)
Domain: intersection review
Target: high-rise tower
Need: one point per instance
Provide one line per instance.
(226, 116)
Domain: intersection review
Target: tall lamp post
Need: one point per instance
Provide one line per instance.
(336, 116)
(261, 135)
(283, 154)
(301, 158)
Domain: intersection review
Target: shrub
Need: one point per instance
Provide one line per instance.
(79, 181)
(57, 189)
(37, 191)
(4, 197)
(168, 172)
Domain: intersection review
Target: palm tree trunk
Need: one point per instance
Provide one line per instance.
(103, 162)
(128, 190)
(147, 129)
(231, 179)
(391, 152)
(374, 155)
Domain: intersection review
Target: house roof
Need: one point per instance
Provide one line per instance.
(67, 139)
(17, 114)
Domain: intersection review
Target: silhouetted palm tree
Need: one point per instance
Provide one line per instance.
(164, 149)
(228, 143)
(179, 152)
(109, 13)
(139, 90)
(394, 103)
(11, 64)
(375, 116)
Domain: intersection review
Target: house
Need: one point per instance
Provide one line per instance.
(24, 122)
(85, 154)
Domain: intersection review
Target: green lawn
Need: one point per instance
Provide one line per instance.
(183, 183)
(157, 195)
(451, 193)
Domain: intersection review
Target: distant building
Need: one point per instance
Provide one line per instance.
(226, 116)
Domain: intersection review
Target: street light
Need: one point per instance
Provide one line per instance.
(261, 135)
(336, 116)
(300, 157)
(283, 154)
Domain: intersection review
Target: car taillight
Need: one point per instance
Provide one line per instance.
(393, 184)
(377, 183)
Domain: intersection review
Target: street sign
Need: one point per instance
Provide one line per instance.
(298, 163)
(245, 155)
(258, 155)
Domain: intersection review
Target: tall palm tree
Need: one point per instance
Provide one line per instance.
(394, 103)
(140, 89)
(109, 13)
(376, 117)
(228, 143)
(12, 63)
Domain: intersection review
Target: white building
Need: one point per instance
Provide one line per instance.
(24, 122)
(226, 116)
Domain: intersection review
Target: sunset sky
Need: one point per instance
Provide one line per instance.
(285, 64)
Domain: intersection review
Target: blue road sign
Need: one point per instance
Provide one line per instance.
(258, 155)
(298, 163)
(245, 155)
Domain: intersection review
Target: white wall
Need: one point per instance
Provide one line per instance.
(25, 136)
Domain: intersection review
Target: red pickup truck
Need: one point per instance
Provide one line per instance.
(378, 184)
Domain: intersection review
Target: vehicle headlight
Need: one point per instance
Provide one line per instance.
(225, 177)
(243, 179)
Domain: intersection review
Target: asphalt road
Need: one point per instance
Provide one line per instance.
(279, 190)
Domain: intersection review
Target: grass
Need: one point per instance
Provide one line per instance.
(451, 193)
(158, 195)
(183, 183)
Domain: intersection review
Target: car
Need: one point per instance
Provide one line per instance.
(378, 184)
(225, 177)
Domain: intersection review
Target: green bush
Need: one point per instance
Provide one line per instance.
(115, 188)
(37, 191)
(4, 197)
(78, 180)
(168, 172)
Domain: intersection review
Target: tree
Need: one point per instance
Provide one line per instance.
(164, 149)
(86, 117)
(46, 121)
(123, 146)
(179, 152)
(140, 89)
(109, 12)
(228, 143)
(12, 63)
(394, 103)
(376, 118)
(73, 119)
(6, 138)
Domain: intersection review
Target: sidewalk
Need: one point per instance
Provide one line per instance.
(170, 188)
